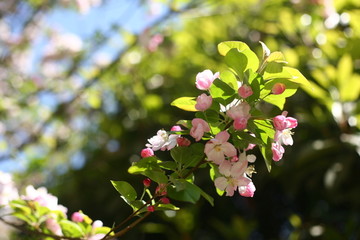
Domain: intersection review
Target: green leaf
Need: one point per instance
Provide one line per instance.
(230, 79)
(103, 230)
(138, 204)
(209, 198)
(221, 92)
(149, 167)
(183, 190)
(277, 57)
(279, 99)
(344, 70)
(297, 77)
(188, 156)
(126, 191)
(169, 206)
(351, 90)
(71, 229)
(225, 47)
(185, 103)
(267, 154)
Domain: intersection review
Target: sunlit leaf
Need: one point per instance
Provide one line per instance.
(225, 47)
(126, 191)
(71, 229)
(185, 103)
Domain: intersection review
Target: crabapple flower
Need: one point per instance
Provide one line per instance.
(217, 148)
(199, 127)
(147, 152)
(8, 191)
(282, 122)
(203, 102)
(278, 88)
(245, 91)
(96, 224)
(205, 79)
(248, 190)
(284, 137)
(44, 198)
(163, 141)
(240, 114)
(277, 151)
(53, 226)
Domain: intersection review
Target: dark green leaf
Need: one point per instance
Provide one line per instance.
(71, 229)
(126, 191)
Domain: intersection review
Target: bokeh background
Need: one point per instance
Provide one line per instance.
(85, 83)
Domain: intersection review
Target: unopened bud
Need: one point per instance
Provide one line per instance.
(147, 182)
(147, 152)
(278, 88)
(183, 142)
(151, 208)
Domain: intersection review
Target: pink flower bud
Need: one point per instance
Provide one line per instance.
(280, 122)
(278, 88)
(245, 91)
(147, 182)
(147, 152)
(203, 102)
(183, 142)
(205, 79)
(176, 128)
(165, 200)
(77, 217)
(151, 208)
(240, 123)
(248, 190)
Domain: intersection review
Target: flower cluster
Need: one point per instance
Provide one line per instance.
(42, 213)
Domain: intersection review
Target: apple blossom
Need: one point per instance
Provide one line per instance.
(278, 88)
(217, 148)
(245, 91)
(45, 199)
(277, 151)
(205, 79)
(282, 122)
(199, 127)
(53, 226)
(163, 141)
(203, 102)
(8, 191)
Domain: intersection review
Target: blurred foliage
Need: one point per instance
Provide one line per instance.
(74, 121)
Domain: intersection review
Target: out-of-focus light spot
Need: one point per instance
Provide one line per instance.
(317, 53)
(254, 36)
(134, 114)
(348, 32)
(332, 21)
(112, 146)
(170, 213)
(321, 38)
(305, 19)
(134, 57)
(155, 82)
(341, 43)
(77, 160)
(316, 230)
(337, 111)
(352, 121)
(318, 144)
(345, 18)
(331, 173)
(134, 158)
